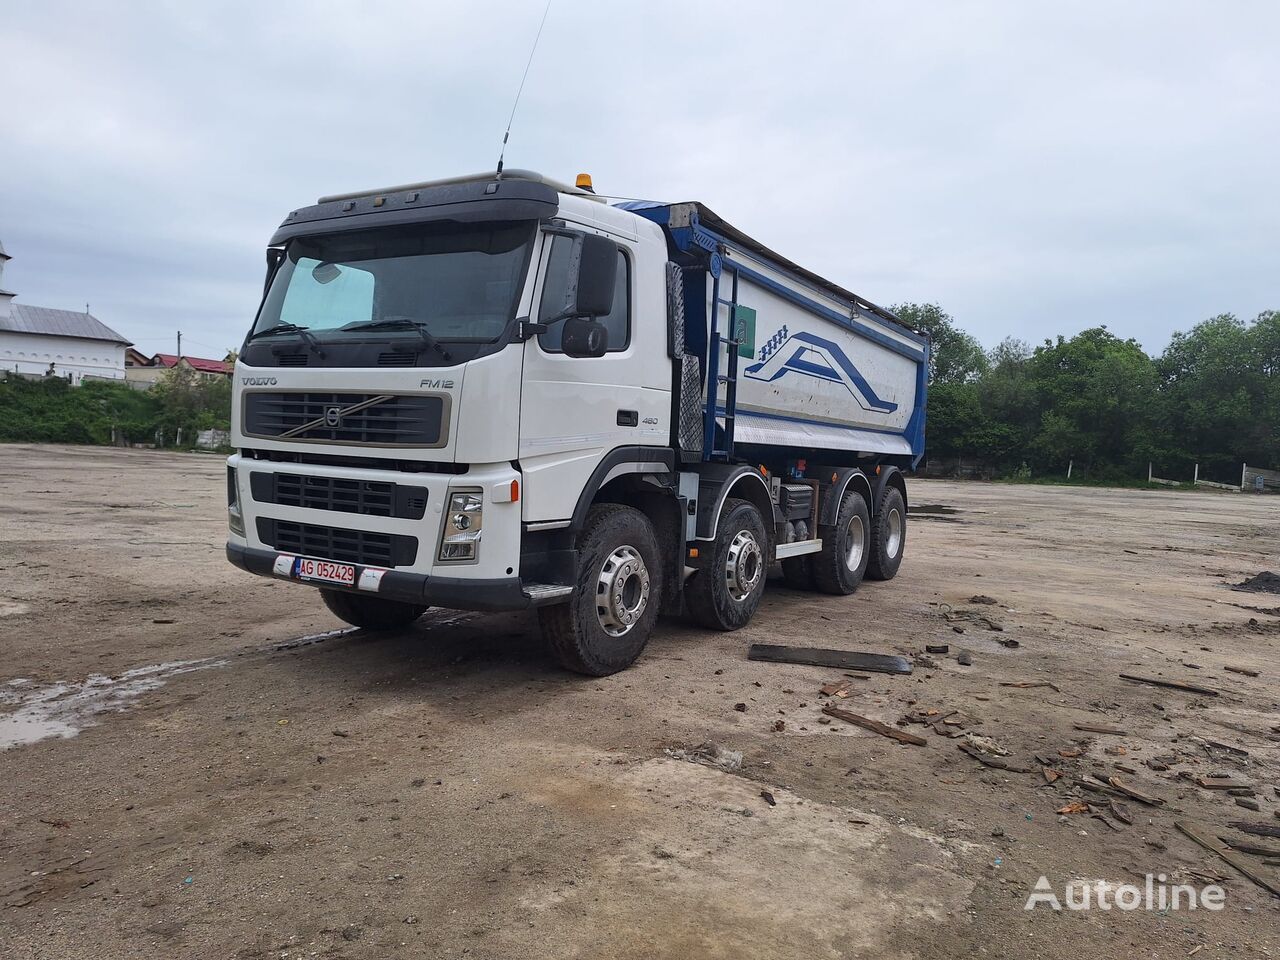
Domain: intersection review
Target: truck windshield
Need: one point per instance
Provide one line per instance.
(458, 282)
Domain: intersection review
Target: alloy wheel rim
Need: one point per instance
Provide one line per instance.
(743, 565)
(622, 590)
(894, 542)
(855, 535)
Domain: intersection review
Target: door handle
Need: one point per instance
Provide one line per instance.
(628, 418)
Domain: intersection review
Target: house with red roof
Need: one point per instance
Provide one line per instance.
(141, 369)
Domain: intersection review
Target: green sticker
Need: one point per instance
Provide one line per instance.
(744, 331)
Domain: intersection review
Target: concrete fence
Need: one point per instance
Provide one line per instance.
(1257, 480)
(1252, 480)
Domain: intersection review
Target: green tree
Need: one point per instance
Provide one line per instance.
(955, 356)
(1094, 394)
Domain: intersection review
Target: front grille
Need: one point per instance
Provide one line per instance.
(362, 547)
(369, 497)
(291, 359)
(358, 418)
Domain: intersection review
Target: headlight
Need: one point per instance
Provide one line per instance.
(235, 519)
(462, 524)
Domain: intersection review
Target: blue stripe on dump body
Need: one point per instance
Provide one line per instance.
(695, 235)
(800, 300)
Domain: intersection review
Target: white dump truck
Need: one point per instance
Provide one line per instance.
(503, 392)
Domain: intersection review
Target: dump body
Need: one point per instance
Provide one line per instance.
(809, 366)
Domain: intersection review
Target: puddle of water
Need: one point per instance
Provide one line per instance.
(64, 709)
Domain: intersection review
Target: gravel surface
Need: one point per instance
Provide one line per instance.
(204, 763)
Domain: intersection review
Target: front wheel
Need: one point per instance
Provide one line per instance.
(371, 613)
(888, 537)
(606, 622)
(724, 594)
(839, 567)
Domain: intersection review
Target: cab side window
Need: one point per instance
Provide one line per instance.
(617, 322)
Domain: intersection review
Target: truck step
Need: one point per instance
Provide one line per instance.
(543, 592)
(797, 548)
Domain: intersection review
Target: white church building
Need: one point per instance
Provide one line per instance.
(42, 341)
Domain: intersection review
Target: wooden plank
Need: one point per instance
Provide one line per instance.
(1213, 845)
(821, 657)
(1243, 671)
(1091, 728)
(998, 763)
(1257, 829)
(1171, 684)
(1221, 783)
(1029, 684)
(875, 726)
(1134, 794)
(1252, 849)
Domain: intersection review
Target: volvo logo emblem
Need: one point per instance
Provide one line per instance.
(332, 416)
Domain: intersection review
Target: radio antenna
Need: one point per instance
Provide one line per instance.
(503, 152)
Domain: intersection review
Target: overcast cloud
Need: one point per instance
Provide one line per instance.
(1036, 168)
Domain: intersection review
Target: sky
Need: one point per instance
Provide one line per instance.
(1036, 168)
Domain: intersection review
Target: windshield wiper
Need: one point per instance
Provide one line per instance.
(403, 323)
(304, 332)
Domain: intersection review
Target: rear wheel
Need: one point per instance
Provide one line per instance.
(606, 622)
(371, 613)
(888, 537)
(839, 567)
(725, 593)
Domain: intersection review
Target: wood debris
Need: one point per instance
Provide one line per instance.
(1220, 783)
(1075, 806)
(1121, 812)
(875, 726)
(1257, 829)
(1117, 784)
(1244, 671)
(1029, 684)
(998, 763)
(1170, 684)
(836, 688)
(1212, 844)
(1092, 728)
(819, 657)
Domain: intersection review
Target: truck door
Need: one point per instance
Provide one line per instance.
(575, 410)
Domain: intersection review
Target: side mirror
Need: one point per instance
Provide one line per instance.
(596, 275)
(584, 337)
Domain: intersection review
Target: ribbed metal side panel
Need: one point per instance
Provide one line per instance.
(689, 387)
(690, 404)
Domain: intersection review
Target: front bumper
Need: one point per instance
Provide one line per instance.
(506, 593)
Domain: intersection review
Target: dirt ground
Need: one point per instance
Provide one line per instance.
(225, 773)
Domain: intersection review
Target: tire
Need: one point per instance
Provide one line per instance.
(797, 572)
(888, 536)
(839, 567)
(371, 613)
(608, 618)
(725, 593)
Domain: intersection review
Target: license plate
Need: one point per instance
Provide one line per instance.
(304, 568)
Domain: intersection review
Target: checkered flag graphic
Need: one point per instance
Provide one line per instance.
(773, 343)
